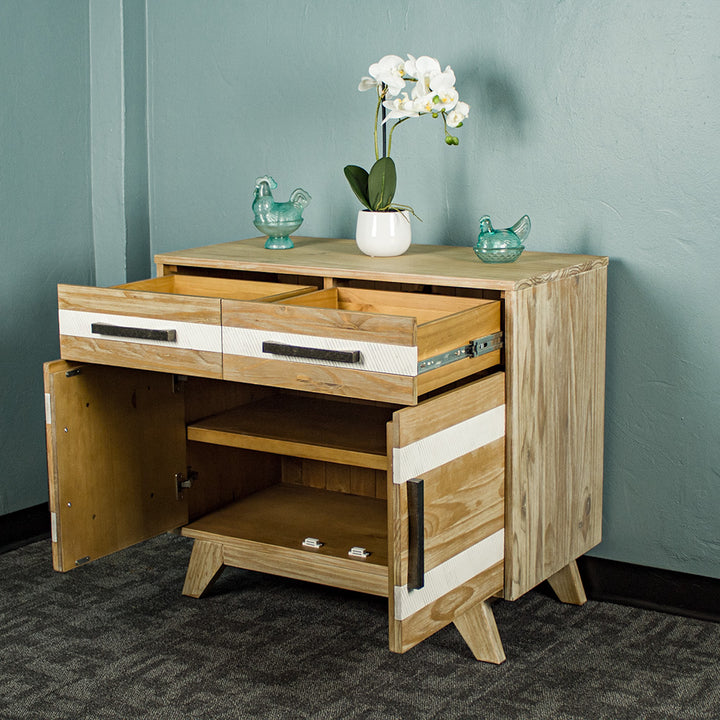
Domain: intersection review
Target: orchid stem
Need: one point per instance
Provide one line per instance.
(393, 130)
(377, 114)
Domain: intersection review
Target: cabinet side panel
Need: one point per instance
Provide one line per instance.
(555, 335)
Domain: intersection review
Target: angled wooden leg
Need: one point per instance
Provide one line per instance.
(205, 566)
(478, 628)
(568, 586)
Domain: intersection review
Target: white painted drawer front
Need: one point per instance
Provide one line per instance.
(374, 357)
(189, 336)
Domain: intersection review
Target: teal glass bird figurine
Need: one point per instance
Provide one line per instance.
(501, 246)
(277, 219)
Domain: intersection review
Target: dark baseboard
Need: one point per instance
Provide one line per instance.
(650, 588)
(24, 526)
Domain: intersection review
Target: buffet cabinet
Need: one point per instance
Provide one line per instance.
(426, 428)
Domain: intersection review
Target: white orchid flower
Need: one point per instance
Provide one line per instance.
(443, 81)
(389, 71)
(445, 100)
(456, 116)
(426, 68)
(401, 107)
(431, 91)
(367, 83)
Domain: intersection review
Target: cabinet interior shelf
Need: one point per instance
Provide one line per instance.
(349, 434)
(273, 522)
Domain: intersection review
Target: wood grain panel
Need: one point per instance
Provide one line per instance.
(286, 318)
(305, 565)
(341, 382)
(450, 408)
(343, 478)
(116, 439)
(457, 330)
(142, 357)
(441, 265)
(304, 427)
(463, 504)
(434, 617)
(442, 376)
(212, 287)
(284, 515)
(141, 304)
(555, 335)
(225, 475)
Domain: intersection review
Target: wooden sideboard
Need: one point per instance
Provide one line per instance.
(427, 428)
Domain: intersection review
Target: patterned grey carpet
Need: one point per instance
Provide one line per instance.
(116, 639)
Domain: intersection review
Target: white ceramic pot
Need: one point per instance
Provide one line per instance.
(383, 234)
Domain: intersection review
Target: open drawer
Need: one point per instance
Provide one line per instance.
(373, 344)
(170, 323)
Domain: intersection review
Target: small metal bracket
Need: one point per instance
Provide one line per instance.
(358, 552)
(474, 348)
(184, 482)
(82, 560)
(311, 542)
(73, 372)
(179, 383)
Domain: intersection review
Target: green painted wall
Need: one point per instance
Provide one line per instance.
(600, 119)
(45, 217)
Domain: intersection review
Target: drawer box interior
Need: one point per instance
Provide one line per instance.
(199, 286)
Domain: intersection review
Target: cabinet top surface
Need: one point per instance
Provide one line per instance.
(426, 264)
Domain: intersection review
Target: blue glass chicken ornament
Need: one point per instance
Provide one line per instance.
(277, 219)
(501, 246)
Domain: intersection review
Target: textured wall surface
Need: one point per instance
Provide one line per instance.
(599, 119)
(45, 217)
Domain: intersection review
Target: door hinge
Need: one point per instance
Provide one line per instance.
(184, 481)
(474, 348)
(179, 383)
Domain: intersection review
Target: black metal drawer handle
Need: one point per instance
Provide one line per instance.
(346, 356)
(135, 333)
(416, 533)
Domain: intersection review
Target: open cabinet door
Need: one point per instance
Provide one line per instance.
(446, 509)
(115, 442)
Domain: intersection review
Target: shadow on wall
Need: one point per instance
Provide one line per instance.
(496, 104)
(506, 106)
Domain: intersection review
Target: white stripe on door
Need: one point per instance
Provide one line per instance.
(449, 575)
(411, 461)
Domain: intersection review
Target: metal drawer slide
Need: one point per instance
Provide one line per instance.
(477, 347)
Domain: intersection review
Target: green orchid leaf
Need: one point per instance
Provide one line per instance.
(358, 179)
(382, 183)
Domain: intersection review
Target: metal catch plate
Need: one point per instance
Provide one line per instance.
(358, 552)
(311, 542)
(475, 348)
